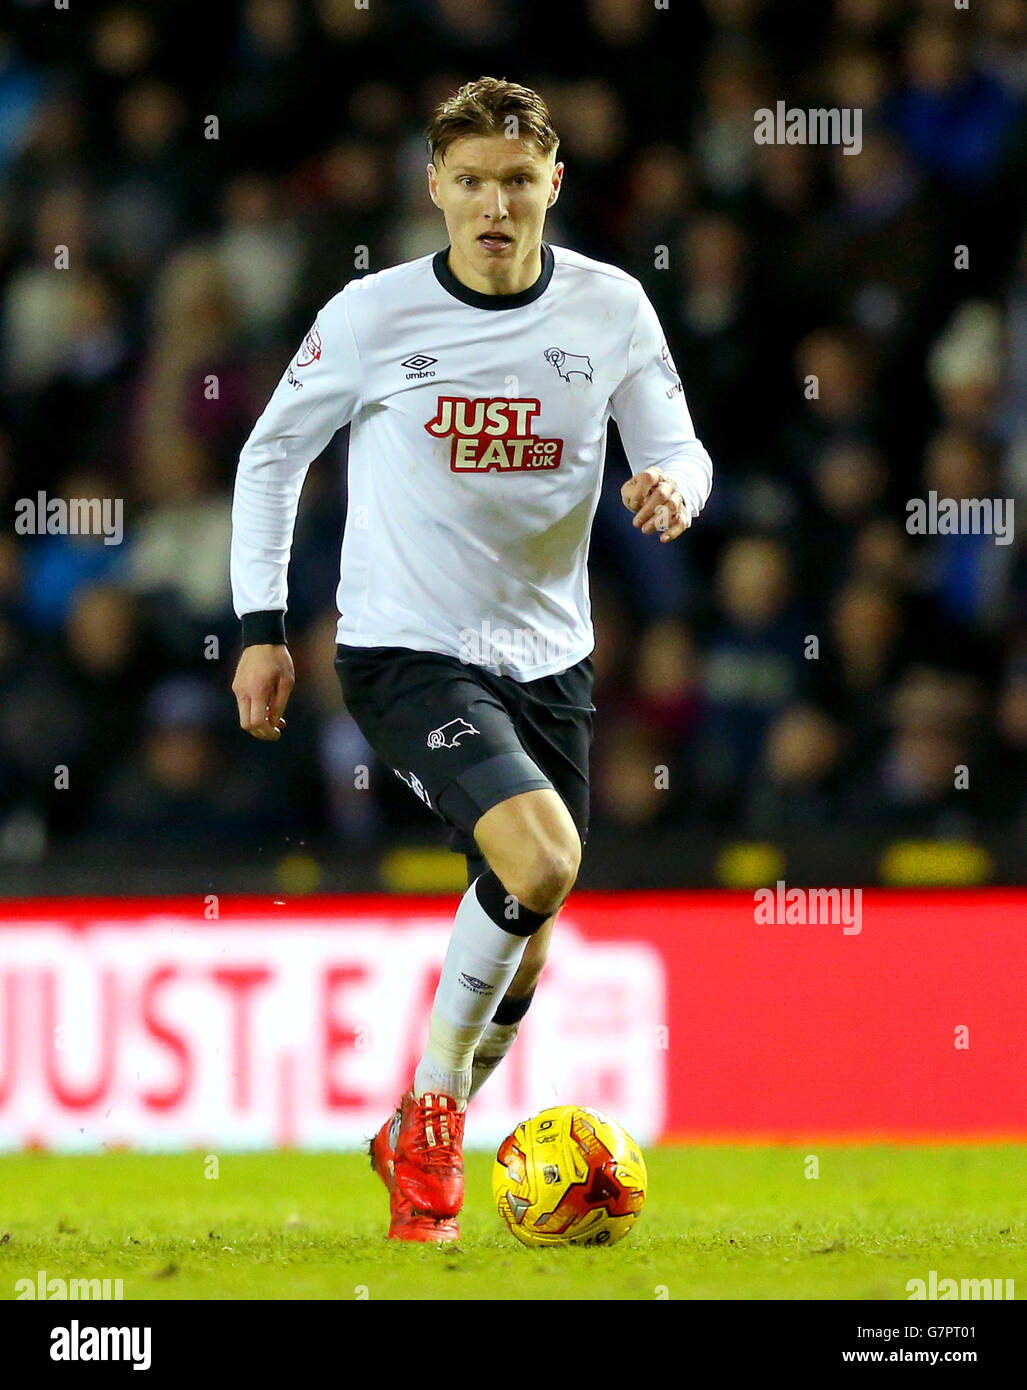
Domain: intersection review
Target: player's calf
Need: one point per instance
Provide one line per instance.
(501, 1030)
(485, 951)
(498, 1038)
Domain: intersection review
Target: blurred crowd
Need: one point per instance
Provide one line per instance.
(851, 331)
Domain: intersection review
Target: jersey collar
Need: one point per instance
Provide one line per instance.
(460, 291)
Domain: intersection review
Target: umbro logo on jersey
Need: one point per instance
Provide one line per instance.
(476, 986)
(419, 365)
(449, 735)
(568, 364)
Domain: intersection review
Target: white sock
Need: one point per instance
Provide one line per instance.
(480, 964)
(496, 1042)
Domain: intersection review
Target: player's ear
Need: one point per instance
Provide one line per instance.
(558, 176)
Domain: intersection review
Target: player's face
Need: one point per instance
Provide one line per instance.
(494, 194)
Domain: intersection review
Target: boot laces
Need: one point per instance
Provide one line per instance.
(440, 1122)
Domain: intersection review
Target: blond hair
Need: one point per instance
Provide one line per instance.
(485, 107)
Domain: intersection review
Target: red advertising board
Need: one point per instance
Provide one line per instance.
(245, 1023)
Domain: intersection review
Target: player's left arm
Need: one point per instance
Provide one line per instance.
(672, 472)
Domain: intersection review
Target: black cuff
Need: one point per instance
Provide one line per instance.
(261, 629)
(512, 1010)
(494, 901)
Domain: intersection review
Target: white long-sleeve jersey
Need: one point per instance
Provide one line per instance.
(475, 459)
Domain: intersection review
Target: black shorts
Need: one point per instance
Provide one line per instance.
(464, 739)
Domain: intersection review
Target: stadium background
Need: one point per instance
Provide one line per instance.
(195, 260)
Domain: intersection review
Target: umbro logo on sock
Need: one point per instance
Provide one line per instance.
(477, 986)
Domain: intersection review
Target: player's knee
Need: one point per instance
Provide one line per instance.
(543, 875)
(512, 911)
(532, 843)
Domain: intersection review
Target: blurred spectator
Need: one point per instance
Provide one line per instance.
(660, 192)
(732, 91)
(20, 90)
(954, 119)
(1003, 46)
(880, 552)
(78, 413)
(793, 787)
(929, 781)
(56, 562)
(182, 788)
(265, 85)
(345, 192)
(752, 665)
(964, 366)
(178, 558)
(859, 662)
(968, 573)
(847, 487)
(836, 381)
(194, 378)
(141, 210)
(39, 305)
(629, 790)
(667, 692)
(720, 333)
(882, 243)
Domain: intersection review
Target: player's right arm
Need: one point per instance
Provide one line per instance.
(319, 393)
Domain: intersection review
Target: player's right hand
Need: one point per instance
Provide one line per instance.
(263, 683)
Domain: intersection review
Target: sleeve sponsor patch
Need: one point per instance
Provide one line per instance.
(311, 349)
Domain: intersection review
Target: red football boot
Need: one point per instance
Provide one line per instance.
(406, 1223)
(428, 1161)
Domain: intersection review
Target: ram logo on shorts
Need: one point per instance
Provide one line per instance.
(449, 735)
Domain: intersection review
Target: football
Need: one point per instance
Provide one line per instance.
(569, 1176)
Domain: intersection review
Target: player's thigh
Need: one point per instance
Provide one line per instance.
(441, 729)
(532, 844)
(555, 725)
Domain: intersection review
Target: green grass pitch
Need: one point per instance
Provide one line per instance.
(721, 1222)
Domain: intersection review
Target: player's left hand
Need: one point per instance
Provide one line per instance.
(657, 504)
